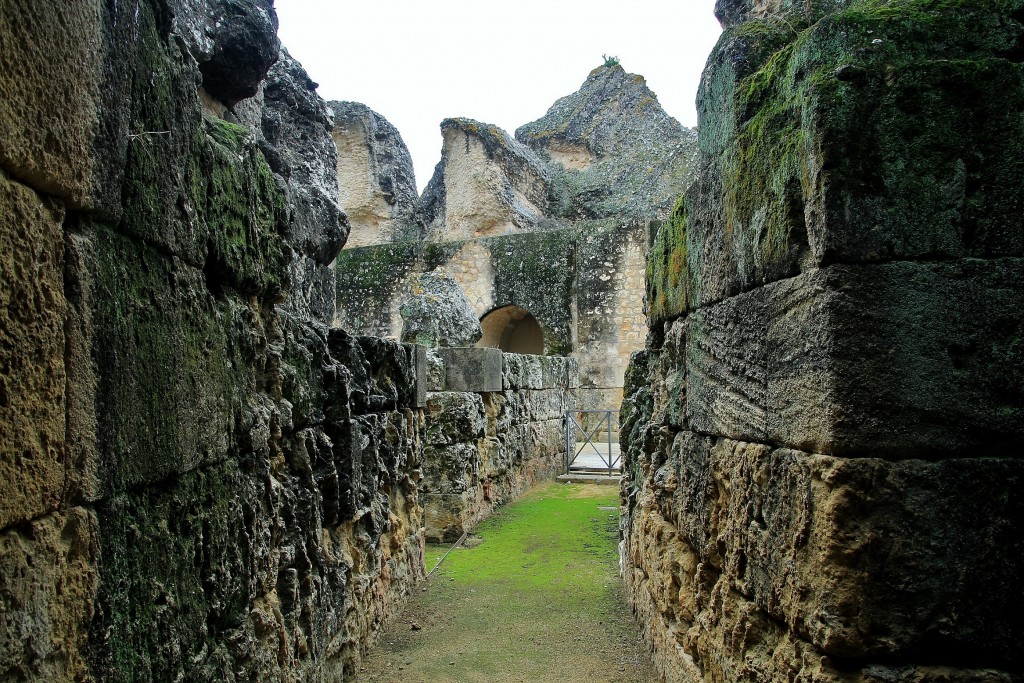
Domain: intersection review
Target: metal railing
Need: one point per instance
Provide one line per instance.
(592, 425)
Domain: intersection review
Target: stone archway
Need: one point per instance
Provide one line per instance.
(512, 329)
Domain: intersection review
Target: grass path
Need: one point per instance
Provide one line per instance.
(534, 597)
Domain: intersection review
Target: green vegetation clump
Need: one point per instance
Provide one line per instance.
(610, 60)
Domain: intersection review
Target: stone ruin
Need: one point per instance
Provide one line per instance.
(209, 472)
(824, 435)
(546, 231)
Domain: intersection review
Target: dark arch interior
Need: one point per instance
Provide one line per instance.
(512, 329)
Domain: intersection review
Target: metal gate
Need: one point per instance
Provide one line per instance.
(592, 441)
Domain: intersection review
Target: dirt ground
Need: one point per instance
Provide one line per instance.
(533, 597)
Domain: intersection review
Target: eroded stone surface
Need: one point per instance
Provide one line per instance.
(48, 582)
(33, 377)
(211, 485)
(486, 184)
(376, 182)
(485, 449)
(436, 313)
(839, 279)
(49, 92)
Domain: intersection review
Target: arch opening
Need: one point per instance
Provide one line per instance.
(512, 329)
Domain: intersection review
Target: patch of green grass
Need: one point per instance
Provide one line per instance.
(555, 538)
(538, 589)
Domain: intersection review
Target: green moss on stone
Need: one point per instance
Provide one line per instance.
(367, 280)
(534, 271)
(177, 576)
(668, 274)
(885, 130)
(242, 209)
(164, 361)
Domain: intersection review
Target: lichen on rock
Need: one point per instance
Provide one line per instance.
(436, 312)
(824, 393)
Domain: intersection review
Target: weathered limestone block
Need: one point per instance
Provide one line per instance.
(242, 45)
(32, 367)
(872, 135)
(836, 137)
(296, 128)
(560, 372)
(238, 229)
(454, 417)
(516, 443)
(83, 470)
(866, 360)
(451, 469)
(666, 377)
(548, 404)
(505, 409)
(472, 369)
(379, 374)
(423, 365)
(49, 92)
(862, 558)
(385, 569)
(294, 124)
(370, 281)
(613, 149)
(525, 371)
(376, 182)
(448, 516)
(391, 373)
(548, 442)
(486, 184)
(170, 363)
(192, 617)
(436, 312)
(435, 371)
(48, 582)
(521, 371)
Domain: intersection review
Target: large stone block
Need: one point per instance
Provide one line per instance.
(472, 369)
(48, 582)
(448, 516)
(901, 359)
(451, 469)
(872, 135)
(744, 558)
(559, 372)
(549, 404)
(171, 363)
(83, 472)
(454, 417)
(163, 619)
(521, 371)
(49, 91)
(863, 557)
(32, 370)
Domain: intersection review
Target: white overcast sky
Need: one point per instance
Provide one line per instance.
(417, 62)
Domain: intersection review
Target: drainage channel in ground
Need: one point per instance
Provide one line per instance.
(533, 595)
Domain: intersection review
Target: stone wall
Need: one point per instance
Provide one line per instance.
(823, 439)
(486, 448)
(583, 285)
(198, 479)
(553, 220)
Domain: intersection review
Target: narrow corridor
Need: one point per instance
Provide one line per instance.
(533, 596)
